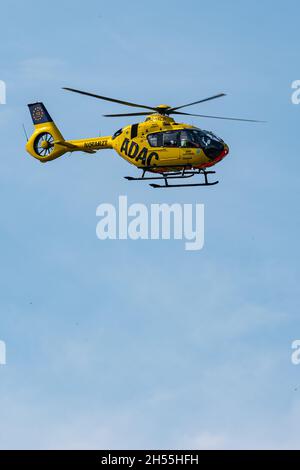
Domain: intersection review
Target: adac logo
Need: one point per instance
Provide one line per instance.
(133, 151)
(38, 113)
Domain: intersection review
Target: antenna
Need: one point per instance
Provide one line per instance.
(25, 132)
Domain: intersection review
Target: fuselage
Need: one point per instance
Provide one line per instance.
(161, 142)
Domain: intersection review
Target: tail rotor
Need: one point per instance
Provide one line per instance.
(44, 144)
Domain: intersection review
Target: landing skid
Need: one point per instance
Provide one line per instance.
(183, 174)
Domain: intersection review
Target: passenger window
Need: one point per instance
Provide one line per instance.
(171, 139)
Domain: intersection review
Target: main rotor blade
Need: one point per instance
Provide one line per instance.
(127, 114)
(217, 117)
(200, 101)
(113, 100)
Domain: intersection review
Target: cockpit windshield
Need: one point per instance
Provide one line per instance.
(199, 138)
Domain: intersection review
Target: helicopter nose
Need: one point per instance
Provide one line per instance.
(215, 150)
(225, 151)
(222, 153)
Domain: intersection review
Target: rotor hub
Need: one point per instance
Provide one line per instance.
(163, 109)
(162, 118)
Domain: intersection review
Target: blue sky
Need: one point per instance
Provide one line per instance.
(140, 344)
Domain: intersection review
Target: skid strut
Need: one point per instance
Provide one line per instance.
(186, 172)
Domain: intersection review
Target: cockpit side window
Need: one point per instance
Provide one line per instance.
(189, 139)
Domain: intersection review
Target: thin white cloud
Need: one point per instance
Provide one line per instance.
(42, 68)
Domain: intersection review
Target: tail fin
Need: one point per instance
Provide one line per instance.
(43, 142)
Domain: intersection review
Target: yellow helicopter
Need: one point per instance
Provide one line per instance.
(159, 146)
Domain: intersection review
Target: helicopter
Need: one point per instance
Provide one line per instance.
(160, 147)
